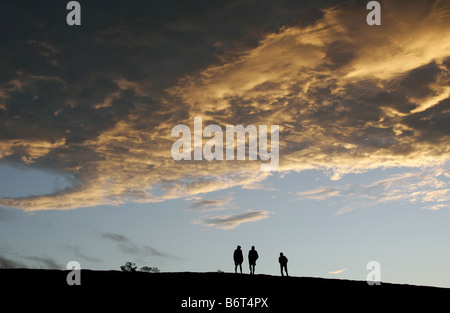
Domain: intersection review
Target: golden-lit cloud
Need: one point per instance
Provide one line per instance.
(320, 193)
(340, 101)
(348, 98)
(234, 220)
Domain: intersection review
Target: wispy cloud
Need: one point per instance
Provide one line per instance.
(10, 258)
(232, 221)
(259, 186)
(205, 205)
(429, 187)
(43, 262)
(345, 209)
(320, 193)
(28, 261)
(337, 271)
(9, 263)
(134, 250)
(437, 207)
(80, 255)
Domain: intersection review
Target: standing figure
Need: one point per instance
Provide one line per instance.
(238, 259)
(283, 263)
(252, 257)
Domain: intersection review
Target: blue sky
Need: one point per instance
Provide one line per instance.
(86, 113)
(400, 235)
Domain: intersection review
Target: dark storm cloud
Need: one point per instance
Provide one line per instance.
(340, 53)
(418, 81)
(97, 102)
(62, 86)
(432, 123)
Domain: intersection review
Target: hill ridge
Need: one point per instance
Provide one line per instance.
(113, 289)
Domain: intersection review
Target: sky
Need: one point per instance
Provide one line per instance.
(86, 114)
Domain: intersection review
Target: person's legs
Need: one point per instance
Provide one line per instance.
(281, 270)
(240, 267)
(285, 269)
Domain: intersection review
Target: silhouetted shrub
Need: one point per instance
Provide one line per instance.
(149, 269)
(129, 267)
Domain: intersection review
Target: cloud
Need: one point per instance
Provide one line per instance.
(345, 209)
(43, 262)
(258, 186)
(232, 221)
(348, 98)
(429, 186)
(225, 221)
(337, 271)
(320, 193)
(204, 205)
(8, 263)
(26, 261)
(79, 255)
(437, 207)
(134, 250)
(115, 237)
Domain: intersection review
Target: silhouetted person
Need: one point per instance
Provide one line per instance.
(283, 264)
(238, 259)
(252, 257)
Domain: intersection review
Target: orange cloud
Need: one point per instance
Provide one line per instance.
(232, 221)
(337, 271)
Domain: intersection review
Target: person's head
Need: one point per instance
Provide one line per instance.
(253, 247)
(239, 247)
(281, 253)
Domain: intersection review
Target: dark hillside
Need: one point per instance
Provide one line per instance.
(168, 292)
